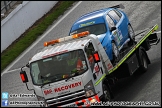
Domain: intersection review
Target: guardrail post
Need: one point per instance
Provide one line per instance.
(5, 3)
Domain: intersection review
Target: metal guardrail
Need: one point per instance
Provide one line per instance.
(7, 7)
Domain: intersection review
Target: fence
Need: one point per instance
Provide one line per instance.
(7, 7)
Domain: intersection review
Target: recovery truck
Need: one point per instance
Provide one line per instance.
(75, 70)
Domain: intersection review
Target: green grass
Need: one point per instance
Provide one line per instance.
(14, 50)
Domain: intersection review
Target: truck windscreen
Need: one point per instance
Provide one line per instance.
(58, 67)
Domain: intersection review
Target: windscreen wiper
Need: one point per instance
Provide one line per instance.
(42, 78)
(69, 78)
(75, 74)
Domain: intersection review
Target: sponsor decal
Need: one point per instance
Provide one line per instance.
(66, 87)
(120, 35)
(46, 92)
(97, 68)
(86, 24)
(62, 88)
(109, 66)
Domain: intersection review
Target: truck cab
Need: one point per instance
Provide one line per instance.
(70, 73)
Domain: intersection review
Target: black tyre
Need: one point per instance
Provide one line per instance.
(144, 63)
(131, 35)
(115, 53)
(106, 93)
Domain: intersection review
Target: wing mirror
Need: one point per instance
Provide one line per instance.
(23, 76)
(112, 29)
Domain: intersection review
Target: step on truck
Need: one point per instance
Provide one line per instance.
(75, 70)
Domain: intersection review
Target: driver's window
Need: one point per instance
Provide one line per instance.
(89, 52)
(35, 72)
(110, 21)
(114, 15)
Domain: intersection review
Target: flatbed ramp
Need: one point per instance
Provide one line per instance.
(142, 36)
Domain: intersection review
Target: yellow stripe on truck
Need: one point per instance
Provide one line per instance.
(103, 76)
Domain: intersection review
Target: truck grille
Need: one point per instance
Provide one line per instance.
(66, 99)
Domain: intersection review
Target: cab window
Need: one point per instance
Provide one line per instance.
(89, 52)
(110, 21)
(114, 15)
(118, 13)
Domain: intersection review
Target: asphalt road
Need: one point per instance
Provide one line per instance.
(141, 88)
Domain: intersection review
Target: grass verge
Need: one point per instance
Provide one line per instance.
(27, 38)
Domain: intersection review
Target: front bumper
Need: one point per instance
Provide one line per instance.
(81, 103)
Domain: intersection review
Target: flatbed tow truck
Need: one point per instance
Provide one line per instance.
(90, 81)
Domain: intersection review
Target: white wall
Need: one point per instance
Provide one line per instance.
(21, 18)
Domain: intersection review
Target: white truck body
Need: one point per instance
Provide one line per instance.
(86, 87)
(64, 90)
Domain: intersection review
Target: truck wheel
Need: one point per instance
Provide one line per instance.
(115, 53)
(131, 35)
(144, 64)
(106, 93)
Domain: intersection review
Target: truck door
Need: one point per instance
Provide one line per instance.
(97, 68)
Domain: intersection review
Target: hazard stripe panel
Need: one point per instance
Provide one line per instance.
(83, 102)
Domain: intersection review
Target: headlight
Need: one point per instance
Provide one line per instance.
(89, 88)
(93, 101)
